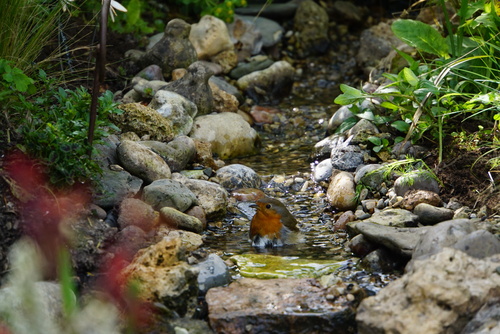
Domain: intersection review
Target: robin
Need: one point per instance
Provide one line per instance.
(272, 225)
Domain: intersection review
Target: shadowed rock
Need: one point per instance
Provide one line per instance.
(194, 87)
(174, 50)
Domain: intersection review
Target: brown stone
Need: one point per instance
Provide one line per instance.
(252, 305)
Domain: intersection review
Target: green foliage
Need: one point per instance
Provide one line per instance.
(57, 134)
(461, 83)
(421, 36)
(133, 22)
(54, 123)
(223, 10)
(380, 143)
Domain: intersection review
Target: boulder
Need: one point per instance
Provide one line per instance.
(176, 108)
(236, 176)
(440, 294)
(269, 85)
(164, 278)
(162, 193)
(194, 87)
(210, 37)
(177, 153)
(173, 50)
(311, 27)
(228, 134)
(144, 121)
(142, 162)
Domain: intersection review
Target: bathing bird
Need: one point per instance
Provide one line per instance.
(272, 225)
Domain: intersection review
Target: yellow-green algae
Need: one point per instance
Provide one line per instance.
(272, 266)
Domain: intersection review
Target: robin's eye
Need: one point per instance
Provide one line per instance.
(268, 206)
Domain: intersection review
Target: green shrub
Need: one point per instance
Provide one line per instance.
(457, 78)
(53, 123)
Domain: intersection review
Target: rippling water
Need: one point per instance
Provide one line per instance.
(287, 155)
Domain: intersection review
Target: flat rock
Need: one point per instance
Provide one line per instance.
(394, 218)
(251, 305)
(403, 240)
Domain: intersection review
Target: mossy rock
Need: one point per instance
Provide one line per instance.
(144, 121)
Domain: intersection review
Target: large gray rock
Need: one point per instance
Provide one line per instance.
(142, 162)
(115, 186)
(347, 158)
(173, 50)
(401, 240)
(213, 272)
(176, 108)
(177, 153)
(371, 176)
(162, 193)
(430, 215)
(394, 218)
(311, 26)
(194, 87)
(461, 234)
(236, 176)
(421, 180)
(228, 134)
(445, 234)
(440, 294)
(375, 43)
(269, 85)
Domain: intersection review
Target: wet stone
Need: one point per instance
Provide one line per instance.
(278, 306)
(213, 272)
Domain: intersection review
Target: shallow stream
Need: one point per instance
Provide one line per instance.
(285, 165)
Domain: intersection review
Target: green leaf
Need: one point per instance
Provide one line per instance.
(401, 126)
(410, 77)
(350, 95)
(421, 36)
(374, 140)
(133, 12)
(389, 105)
(347, 124)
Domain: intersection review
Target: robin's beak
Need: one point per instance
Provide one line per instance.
(254, 205)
